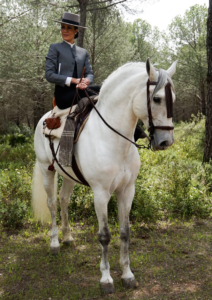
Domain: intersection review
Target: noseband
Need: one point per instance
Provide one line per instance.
(169, 107)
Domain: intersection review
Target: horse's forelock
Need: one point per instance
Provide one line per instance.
(163, 78)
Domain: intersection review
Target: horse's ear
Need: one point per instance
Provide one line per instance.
(153, 76)
(172, 69)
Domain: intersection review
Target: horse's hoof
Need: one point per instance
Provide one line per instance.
(130, 283)
(55, 250)
(107, 288)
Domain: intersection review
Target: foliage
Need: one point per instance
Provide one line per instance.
(145, 40)
(188, 36)
(16, 157)
(15, 194)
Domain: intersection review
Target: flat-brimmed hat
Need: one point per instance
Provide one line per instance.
(71, 19)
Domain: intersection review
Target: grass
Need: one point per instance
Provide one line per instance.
(169, 260)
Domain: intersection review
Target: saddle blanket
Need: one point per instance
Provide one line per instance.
(62, 114)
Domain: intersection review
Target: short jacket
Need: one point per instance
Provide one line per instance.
(60, 62)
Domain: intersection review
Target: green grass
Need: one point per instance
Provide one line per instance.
(169, 260)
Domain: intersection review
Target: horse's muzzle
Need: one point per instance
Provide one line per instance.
(162, 140)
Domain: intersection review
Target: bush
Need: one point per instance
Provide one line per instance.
(15, 196)
(173, 183)
(17, 157)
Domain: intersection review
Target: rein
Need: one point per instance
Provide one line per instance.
(138, 146)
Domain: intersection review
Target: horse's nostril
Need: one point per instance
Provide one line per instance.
(164, 144)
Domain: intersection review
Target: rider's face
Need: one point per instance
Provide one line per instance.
(68, 32)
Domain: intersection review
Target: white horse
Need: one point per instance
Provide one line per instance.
(107, 161)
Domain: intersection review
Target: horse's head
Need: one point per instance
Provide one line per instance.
(156, 108)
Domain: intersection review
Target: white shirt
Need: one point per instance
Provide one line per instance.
(68, 79)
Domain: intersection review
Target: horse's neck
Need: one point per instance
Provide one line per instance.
(116, 106)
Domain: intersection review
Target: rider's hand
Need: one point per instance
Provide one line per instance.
(82, 86)
(86, 81)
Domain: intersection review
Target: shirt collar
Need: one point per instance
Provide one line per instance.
(69, 44)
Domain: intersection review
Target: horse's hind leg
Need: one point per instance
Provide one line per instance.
(125, 197)
(101, 199)
(48, 183)
(65, 193)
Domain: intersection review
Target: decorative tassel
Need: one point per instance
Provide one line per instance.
(51, 167)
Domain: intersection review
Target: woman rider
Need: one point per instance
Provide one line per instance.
(65, 62)
(64, 66)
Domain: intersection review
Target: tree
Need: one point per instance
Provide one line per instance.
(25, 94)
(208, 125)
(97, 5)
(145, 40)
(188, 35)
(107, 40)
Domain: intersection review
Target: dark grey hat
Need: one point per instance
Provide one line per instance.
(71, 19)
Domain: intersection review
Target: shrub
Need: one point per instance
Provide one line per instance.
(15, 195)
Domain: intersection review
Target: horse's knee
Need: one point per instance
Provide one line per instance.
(52, 204)
(125, 233)
(104, 236)
(64, 201)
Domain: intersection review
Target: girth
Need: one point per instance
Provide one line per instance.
(75, 168)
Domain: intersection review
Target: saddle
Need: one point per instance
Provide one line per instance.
(83, 117)
(53, 126)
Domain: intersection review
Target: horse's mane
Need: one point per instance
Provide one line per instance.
(140, 67)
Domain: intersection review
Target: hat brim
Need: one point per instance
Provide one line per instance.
(70, 24)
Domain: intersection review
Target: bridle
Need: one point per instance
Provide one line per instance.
(152, 127)
(169, 107)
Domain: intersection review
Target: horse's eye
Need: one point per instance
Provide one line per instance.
(157, 100)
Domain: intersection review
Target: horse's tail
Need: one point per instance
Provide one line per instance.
(39, 197)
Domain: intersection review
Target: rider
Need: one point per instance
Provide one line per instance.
(64, 65)
(65, 62)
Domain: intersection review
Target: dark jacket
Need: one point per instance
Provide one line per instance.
(62, 55)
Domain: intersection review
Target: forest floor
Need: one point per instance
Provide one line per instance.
(169, 260)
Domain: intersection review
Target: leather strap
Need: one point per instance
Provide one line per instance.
(78, 172)
(169, 105)
(51, 144)
(138, 146)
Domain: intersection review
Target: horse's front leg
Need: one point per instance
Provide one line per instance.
(101, 199)
(48, 183)
(125, 197)
(65, 192)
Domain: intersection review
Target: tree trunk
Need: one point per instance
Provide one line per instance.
(208, 125)
(202, 89)
(83, 6)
